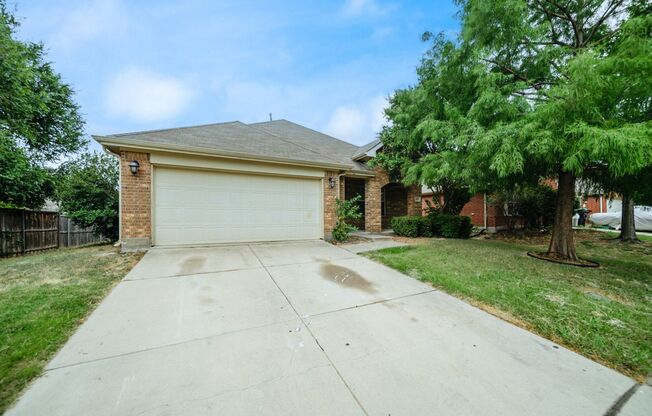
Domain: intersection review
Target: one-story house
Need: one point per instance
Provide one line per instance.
(236, 182)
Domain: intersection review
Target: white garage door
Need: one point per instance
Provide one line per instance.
(203, 207)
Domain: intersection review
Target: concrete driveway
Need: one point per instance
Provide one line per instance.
(306, 329)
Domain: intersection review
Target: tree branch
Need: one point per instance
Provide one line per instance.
(552, 13)
(576, 29)
(558, 69)
(611, 9)
(534, 85)
(542, 43)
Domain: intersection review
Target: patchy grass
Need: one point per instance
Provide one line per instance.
(43, 298)
(604, 313)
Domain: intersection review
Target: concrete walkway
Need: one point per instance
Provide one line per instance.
(308, 329)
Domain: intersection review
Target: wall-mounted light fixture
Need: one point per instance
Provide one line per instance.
(133, 167)
(331, 182)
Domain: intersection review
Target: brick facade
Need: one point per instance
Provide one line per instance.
(136, 209)
(414, 200)
(595, 203)
(372, 201)
(475, 210)
(330, 195)
(136, 220)
(373, 215)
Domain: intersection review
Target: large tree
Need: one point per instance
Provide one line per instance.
(551, 55)
(626, 74)
(632, 189)
(39, 120)
(426, 140)
(87, 191)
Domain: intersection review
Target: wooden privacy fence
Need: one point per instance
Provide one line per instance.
(23, 231)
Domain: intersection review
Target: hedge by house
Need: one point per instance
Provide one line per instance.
(450, 226)
(407, 226)
(439, 225)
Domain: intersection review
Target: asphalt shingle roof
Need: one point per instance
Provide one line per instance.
(362, 150)
(279, 139)
(318, 142)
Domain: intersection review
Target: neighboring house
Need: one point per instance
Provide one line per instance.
(601, 203)
(483, 213)
(493, 218)
(236, 182)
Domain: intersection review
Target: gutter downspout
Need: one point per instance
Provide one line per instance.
(484, 209)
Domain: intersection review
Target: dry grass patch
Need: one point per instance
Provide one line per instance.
(43, 298)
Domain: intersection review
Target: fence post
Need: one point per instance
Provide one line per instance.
(24, 233)
(58, 230)
(68, 218)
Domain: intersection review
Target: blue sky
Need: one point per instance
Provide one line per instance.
(140, 65)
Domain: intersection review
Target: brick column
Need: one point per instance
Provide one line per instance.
(330, 195)
(414, 200)
(136, 193)
(372, 201)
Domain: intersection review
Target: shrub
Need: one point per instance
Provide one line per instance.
(87, 191)
(450, 226)
(342, 231)
(466, 226)
(534, 204)
(425, 227)
(407, 226)
(346, 210)
(436, 219)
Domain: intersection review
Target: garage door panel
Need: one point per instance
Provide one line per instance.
(202, 207)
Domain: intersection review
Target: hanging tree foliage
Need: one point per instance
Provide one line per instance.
(39, 120)
(554, 57)
(427, 140)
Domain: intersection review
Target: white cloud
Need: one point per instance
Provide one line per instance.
(146, 96)
(88, 22)
(355, 8)
(377, 107)
(347, 122)
(358, 124)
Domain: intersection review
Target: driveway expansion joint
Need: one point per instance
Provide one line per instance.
(191, 274)
(164, 346)
(378, 302)
(339, 374)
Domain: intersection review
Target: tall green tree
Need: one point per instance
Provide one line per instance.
(87, 191)
(632, 189)
(426, 140)
(39, 120)
(551, 56)
(627, 73)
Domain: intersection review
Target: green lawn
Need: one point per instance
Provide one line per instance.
(43, 298)
(603, 313)
(642, 237)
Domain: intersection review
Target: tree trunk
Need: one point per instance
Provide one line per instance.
(627, 230)
(561, 243)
